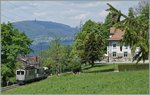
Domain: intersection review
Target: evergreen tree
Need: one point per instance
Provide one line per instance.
(136, 30)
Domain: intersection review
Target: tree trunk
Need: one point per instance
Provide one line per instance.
(4, 81)
(92, 63)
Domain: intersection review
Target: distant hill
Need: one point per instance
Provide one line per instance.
(42, 32)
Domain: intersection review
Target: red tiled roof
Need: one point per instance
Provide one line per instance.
(117, 34)
(29, 59)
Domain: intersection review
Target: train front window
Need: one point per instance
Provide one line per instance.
(22, 72)
(18, 72)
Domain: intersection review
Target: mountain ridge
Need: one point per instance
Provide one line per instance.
(48, 26)
(45, 31)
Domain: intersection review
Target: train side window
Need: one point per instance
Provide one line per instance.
(18, 72)
(22, 72)
(38, 71)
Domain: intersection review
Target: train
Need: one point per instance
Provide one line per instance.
(30, 74)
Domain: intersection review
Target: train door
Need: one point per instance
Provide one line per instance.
(37, 73)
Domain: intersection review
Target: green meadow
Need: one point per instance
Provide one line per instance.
(100, 79)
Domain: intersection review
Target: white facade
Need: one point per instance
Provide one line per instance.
(116, 52)
(111, 48)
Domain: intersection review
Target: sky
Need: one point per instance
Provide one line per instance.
(67, 12)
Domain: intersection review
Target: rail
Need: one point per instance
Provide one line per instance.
(9, 87)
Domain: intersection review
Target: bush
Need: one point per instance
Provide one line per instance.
(12, 80)
(75, 66)
(132, 67)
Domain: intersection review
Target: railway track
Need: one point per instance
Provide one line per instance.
(9, 87)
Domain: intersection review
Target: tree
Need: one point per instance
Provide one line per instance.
(57, 57)
(136, 30)
(14, 43)
(94, 47)
(89, 43)
(56, 53)
(66, 59)
(110, 20)
(105, 28)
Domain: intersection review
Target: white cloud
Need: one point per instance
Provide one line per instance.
(92, 4)
(114, 3)
(71, 11)
(33, 4)
(80, 16)
(67, 12)
(86, 4)
(40, 14)
(103, 13)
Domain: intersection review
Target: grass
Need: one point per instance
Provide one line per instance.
(100, 68)
(91, 81)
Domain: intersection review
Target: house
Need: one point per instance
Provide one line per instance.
(115, 51)
(30, 61)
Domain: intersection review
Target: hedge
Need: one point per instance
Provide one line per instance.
(133, 67)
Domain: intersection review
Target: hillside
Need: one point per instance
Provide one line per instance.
(91, 81)
(44, 31)
(45, 28)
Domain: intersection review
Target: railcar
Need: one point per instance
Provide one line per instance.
(27, 75)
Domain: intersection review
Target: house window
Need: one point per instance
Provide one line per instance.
(125, 54)
(114, 45)
(114, 54)
(120, 48)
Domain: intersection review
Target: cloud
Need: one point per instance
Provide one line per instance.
(114, 3)
(80, 16)
(67, 12)
(103, 13)
(91, 4)
(85, 4)
(71, 12)
(40, 14)
(33, 4)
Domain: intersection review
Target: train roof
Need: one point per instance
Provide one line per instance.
(31, 67)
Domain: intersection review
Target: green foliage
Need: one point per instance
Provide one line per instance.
(89, 43)
(6, 71)
(75, 65)
(133, 67)
(57, 57)
(13, 44)
(136, 30)
(110, 20)
(12, 80)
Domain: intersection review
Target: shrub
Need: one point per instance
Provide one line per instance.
(132, 67)
(12, 80)
(75, 66)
